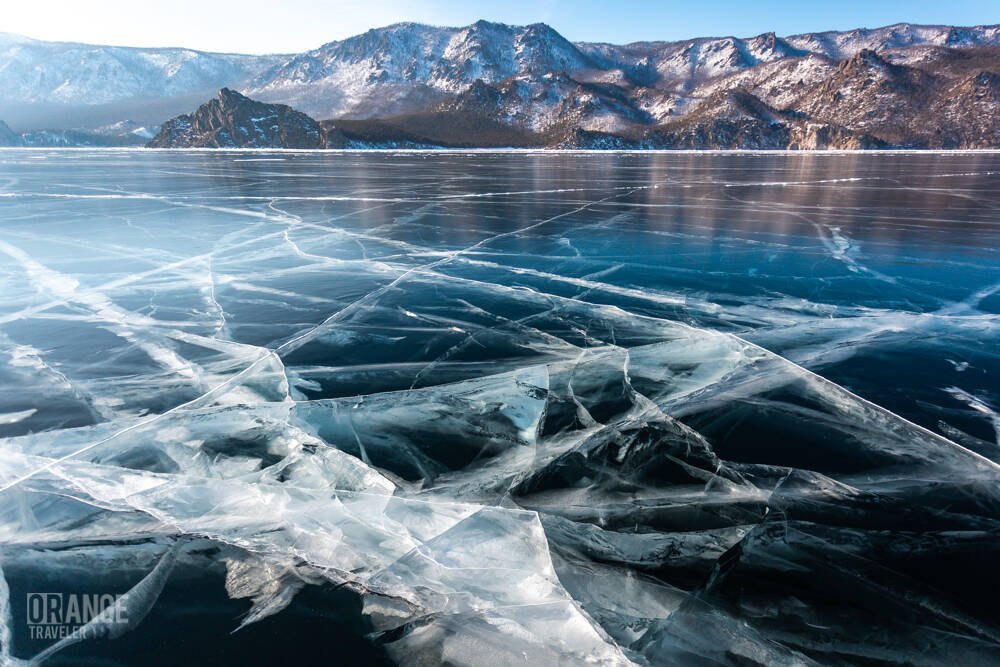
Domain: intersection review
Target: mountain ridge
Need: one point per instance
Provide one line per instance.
(530, 85)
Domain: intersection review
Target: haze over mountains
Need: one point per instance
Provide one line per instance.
(490, 84)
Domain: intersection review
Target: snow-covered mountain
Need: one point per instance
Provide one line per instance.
(533, 81)
(61, 85)
(33, 71)
(681, 65)
(405, 66)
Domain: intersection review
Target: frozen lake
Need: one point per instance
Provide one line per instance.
(631, 408)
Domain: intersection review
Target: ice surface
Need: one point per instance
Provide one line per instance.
(519, 409)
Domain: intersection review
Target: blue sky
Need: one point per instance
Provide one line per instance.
(259, 26)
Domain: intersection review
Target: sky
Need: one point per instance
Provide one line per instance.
(285, 26)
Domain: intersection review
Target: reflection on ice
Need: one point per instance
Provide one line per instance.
(516, 411)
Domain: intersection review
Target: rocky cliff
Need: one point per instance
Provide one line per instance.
(232, 120)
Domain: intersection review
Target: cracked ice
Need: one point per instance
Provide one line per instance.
(476, 408)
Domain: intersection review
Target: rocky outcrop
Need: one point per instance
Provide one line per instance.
(941, 99)
(232, 120)
(731, 119)
(966, 114)
(872, 95)
(820, 136)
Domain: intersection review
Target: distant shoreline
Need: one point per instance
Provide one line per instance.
(537, 151)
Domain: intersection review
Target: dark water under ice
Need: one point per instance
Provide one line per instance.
(462, 407)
